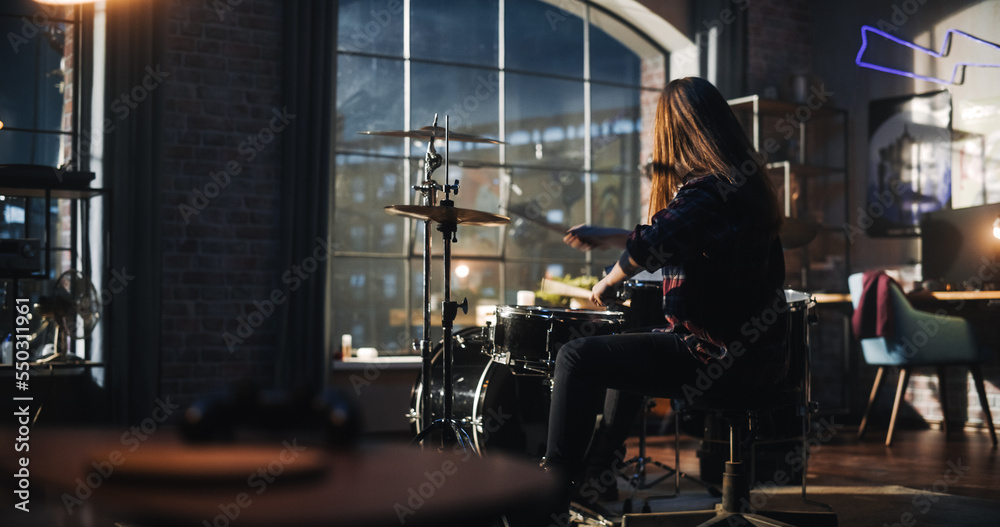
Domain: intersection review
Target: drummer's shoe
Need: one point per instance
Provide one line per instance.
(556, 512)
(600, 480)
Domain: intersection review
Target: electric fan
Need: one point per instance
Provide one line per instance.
(69, 314)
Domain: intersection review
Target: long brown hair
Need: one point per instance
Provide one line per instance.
(696, 129)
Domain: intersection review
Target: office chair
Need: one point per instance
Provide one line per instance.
(919, 338)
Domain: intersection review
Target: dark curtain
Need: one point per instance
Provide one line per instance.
(133, 155)
(732, 44)
(307, 176)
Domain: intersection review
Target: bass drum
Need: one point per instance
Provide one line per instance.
(500, 410)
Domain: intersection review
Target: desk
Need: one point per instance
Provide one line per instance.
(949, 296)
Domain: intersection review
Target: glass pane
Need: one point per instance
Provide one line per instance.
(479, 190)
(369, 98)
(544, 37)
(371, 26)
(470, 97)
(477, 281)
(620, 55)
(364, 187)
(17, 61)
(54, 74)
(50, 149)
(611, 61)
(616, 129)
(370, 304)
(16, 147)
(543, 205)
(37, 101)
(14, 217)
(617, 203)
(455, 31)
(545, 122)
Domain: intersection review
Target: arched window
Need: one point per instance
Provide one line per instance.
(566, 85)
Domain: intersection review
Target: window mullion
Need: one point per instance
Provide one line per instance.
(588, 162)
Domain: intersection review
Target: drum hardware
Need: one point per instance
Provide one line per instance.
(447, 216)
(500, 408)
(431, 133)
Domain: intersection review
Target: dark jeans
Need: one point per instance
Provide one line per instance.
(631, 365)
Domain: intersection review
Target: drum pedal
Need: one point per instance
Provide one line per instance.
(592, 516)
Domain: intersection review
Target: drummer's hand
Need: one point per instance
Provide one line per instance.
(602, 294)
(587, 237)
(578, 237)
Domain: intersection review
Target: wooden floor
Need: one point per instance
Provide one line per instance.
(965, 463)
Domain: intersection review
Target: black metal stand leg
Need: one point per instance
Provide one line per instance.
(638, 479)
(676, 472)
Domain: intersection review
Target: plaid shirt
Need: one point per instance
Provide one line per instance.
(722, 270)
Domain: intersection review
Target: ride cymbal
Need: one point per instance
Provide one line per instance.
(434, 132)
(443, 214)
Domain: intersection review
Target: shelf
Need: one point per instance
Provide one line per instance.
(804, 170)
(776, 107)
(56, 193)
(811, 177)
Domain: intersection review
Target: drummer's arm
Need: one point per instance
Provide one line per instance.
(604, 291)
(587, 237)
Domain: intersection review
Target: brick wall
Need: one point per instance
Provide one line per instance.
(220, 196)
(779, 44)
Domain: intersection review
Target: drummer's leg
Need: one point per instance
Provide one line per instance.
(641, 363)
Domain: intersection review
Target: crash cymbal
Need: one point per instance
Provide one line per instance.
(443, 214)
(434, 132)
(796, 232)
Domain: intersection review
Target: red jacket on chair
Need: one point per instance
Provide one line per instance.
(873, 317)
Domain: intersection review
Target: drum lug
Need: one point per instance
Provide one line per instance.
(487, 336)
(476, 423)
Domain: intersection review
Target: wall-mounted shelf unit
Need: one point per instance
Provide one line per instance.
(805, 145)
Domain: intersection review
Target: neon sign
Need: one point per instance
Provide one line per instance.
(958, 72)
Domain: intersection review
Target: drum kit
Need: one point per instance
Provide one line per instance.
(489, 388)
(483, 387)
(447, 217)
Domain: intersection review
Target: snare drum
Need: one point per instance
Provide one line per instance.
(529, 337)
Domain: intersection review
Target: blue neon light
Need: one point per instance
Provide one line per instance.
(958, 71)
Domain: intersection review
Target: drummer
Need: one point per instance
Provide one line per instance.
(713, 230)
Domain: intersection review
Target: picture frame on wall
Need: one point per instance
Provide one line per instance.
(909, 162)
(976, 158)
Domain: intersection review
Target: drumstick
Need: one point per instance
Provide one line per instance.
(518, 210)
(559, 288)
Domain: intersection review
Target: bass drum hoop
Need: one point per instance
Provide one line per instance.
(417, 391)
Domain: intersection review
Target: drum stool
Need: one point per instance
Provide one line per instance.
(739, 411)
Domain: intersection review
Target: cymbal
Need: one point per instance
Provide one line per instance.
(434, 132)
(797, 232)
(442, 214)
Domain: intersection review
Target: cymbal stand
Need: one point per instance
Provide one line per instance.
(429, 188)
(451, 431)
